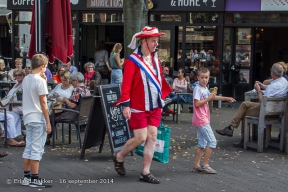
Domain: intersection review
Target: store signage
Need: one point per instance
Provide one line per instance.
(189, 5)
(75, 4)
(276, 5)
(22, 2)
(104, 3)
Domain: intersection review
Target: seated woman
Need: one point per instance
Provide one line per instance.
(91, 74)
(3, 74)
(180, 86)
(63, 89)
(57, 77)
(77, 80)
(13, 116)
(3, 70)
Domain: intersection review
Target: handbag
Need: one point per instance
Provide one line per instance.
(6, 100)
(161, 152)
(56, 105)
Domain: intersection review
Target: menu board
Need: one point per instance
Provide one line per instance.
(117, 126)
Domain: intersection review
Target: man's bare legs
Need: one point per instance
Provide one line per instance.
(140, 135)
(148, 135)
(149, 148)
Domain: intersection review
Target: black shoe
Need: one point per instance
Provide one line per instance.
(240, 144)
(82, 128)
(225, 131)
(40, 183)
(48, 141)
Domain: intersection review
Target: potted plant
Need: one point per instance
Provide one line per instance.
(19, 94)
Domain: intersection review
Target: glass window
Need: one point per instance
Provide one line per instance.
(23, 15)
(256, 18)
(74, 16)
(102, 17)
(202, 17)
(227, 59)
(201, 49)
(164, 48)
(168, 18)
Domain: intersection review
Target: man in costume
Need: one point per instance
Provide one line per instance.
(143, 91)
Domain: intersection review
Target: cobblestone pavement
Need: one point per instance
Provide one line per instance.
(238, 169)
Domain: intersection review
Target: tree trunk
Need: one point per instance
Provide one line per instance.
(135, 18)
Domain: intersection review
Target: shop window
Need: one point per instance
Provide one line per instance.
(23, 16)
(164, 48)
(195, 18)
(201, 49)
(165, 18)
(256, 18)
(102, 17)
(74, 16)
(227, 59)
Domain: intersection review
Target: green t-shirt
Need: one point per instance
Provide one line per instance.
(113, 61)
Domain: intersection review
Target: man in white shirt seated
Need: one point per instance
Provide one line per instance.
(277, 88)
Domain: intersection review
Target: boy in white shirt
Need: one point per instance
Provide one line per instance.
(201, 120)
(34, 107)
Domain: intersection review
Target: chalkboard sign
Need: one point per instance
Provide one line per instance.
(95, 130)
(117, 126)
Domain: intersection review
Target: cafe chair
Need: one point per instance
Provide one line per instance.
(81, 119)
(272, 111)
(4, 121)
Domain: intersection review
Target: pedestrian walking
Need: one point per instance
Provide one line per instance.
(143, 91)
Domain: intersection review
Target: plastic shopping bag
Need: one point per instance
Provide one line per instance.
(161, 153)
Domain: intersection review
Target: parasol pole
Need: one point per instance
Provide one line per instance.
(40, 20)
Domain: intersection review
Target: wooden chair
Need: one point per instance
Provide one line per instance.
(272, 111)
(4, 121)
(81, 119)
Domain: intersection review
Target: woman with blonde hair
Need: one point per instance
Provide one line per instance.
(285, 68)
(3, 70)
(116, 64)
(13, 116)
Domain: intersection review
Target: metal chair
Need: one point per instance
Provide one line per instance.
(81, 119)
(4, 121)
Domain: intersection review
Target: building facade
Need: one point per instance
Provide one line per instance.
(246, 37)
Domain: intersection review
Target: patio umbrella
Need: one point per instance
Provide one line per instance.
(57, 30)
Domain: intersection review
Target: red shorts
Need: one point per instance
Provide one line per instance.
(143, 119)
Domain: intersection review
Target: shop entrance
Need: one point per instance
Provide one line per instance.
(271, 46)
(91, 34)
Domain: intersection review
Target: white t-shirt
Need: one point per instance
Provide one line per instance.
(33, 86)
(61, 92)
(11, 74)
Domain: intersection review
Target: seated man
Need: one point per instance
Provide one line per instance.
(70, 68)
(277, 88)
(168, 100)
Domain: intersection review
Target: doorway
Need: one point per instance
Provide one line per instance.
(91, 34)
(271, 46)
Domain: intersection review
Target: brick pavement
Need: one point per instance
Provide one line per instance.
(238, 169)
